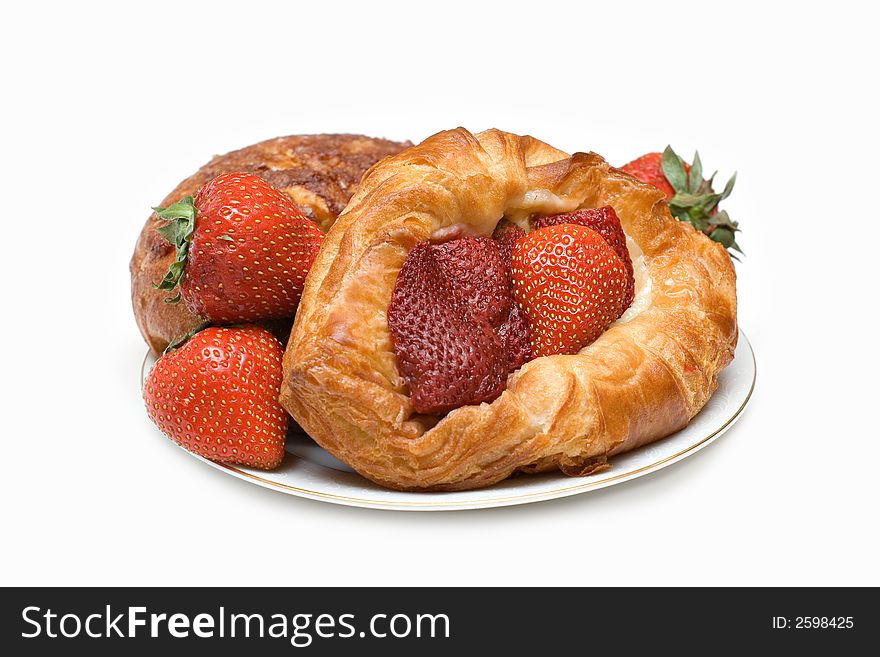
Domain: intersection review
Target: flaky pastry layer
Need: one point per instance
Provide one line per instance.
(639, 381)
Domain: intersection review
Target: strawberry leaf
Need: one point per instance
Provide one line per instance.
(723, 219)
(695, 176)
(698, 220)
(178, 231)
(706, 185)
(696, 202)
(183, 209)
(728, 187)
(673, 169)
(686, 200)
(723, 236)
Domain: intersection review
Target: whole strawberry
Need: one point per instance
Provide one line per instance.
(691, 198)
(570, 284)
(217, 396)
(243, 250)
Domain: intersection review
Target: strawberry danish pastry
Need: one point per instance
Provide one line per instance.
(487, 304)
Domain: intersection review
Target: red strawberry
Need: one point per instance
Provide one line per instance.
(506, 234)
(649, 168)
(243, 250)
(217, 396)
(570, 284)
(447, 355)
(691, 198)
(605, 222)
(474, 267)
(479, 270)
(515, 339)
(514, 332)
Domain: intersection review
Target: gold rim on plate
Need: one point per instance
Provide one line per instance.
(483, 502)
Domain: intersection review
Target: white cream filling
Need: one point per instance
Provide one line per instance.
(643, 283)
(538, 201)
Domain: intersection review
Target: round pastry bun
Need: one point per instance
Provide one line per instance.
(639, 381)
(318, 172)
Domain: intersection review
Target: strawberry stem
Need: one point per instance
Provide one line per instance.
(181, 339)
(178, 231)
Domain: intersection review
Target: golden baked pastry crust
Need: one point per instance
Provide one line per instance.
(318, 172)
(640, 381)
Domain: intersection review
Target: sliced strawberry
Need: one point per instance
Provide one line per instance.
(570, 284)
(515, 339)
(514, 332)
(474, 267)
(447, 355)
(604, 221)
(506, 234)
(217, 396)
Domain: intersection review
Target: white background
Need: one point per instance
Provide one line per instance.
(106, 107)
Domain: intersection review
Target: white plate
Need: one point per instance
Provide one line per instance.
(309, 471)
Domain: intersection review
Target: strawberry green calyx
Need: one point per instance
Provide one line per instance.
(178, 231)
(695, 200)
(180, 340)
